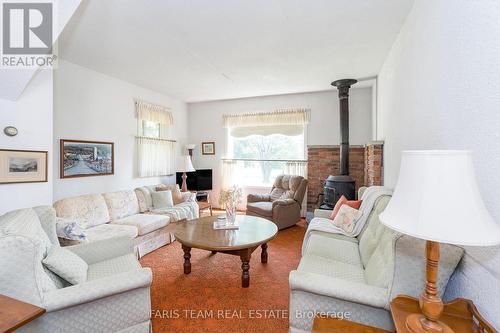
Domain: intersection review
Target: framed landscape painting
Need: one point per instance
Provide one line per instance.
(86, 158)
(23, 166)
(208, 148)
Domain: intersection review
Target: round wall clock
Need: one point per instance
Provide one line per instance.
(10, 131)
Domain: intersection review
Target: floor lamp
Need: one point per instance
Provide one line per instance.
(184, 165)
(437, 199)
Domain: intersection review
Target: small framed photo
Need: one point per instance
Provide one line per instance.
(86, 158)
(208, 148)
(23, 166)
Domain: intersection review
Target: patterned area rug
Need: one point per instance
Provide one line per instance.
(211, 299)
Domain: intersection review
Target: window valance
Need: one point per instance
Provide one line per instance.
(281, 117)
(153, 112)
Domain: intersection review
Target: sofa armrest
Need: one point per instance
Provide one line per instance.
(341, 289)
(284, 202)
(97, 289)
(323, 213)
(188, 197)
(102, 250)
(258, 197)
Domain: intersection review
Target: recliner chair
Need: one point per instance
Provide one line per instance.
(282, 206)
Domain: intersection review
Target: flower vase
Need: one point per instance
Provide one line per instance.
(230, 215)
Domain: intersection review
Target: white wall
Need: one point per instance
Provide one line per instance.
(32, 115)
(439, 88)
(205, 122)
(92, 106)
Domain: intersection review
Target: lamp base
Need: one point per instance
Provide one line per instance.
(184, 187)
(417, 323)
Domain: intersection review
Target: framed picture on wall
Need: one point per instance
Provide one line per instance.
(23, 166)
(86, 158)
(208, 148)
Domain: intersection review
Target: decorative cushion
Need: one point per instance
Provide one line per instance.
(121, 204)
(145, 223)
(343, 201)
(86, 210)
(346, 218)
(143, 195)
(66, 264)
(25, 222)
(162, 199)
(70, 230)
(176, 192)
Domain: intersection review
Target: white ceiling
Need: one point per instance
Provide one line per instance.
(202, 50)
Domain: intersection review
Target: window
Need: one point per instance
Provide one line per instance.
(150, 129)
(155, 151)
(257, 153)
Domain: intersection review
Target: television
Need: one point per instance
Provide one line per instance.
(199, 180)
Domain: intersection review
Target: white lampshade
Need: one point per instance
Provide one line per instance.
(436, 198)
(184, 164)
(190, 146)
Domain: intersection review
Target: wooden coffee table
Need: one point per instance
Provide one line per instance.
(253, 232)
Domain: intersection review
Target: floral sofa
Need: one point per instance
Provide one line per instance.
(126, 213)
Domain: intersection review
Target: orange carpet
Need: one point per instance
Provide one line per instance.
(211, 299)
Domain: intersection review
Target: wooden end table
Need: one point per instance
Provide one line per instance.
(334, 325)
(202, 205)
(253, 232)
(15, 313)
(460, 315)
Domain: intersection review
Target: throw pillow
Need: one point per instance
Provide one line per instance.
(343, 201)
(176, 192)
(70, 230)
(346, 219)
(162, 199)
(66, 264)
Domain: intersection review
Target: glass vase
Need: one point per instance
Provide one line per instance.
(230, 215)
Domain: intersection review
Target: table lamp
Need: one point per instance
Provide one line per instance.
(437, 199)
(184, 165)
(190, 147)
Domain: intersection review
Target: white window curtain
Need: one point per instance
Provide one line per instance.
(228, 171)
(155, 155)
(298, 168)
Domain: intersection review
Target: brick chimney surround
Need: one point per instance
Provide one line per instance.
(365, 166)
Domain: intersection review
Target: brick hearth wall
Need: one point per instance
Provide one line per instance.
(365, 166)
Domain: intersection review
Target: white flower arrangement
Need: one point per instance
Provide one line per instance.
(231, 197)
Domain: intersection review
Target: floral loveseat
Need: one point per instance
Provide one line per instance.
(126, 213)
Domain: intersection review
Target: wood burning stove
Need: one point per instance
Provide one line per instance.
(343, 184)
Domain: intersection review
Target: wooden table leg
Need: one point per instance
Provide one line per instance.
(245, 266)
(263, 253)
(187, 257)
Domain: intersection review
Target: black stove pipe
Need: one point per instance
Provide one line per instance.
(343, 86)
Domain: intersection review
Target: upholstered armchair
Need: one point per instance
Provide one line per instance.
(282, 206)
(114, 298)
